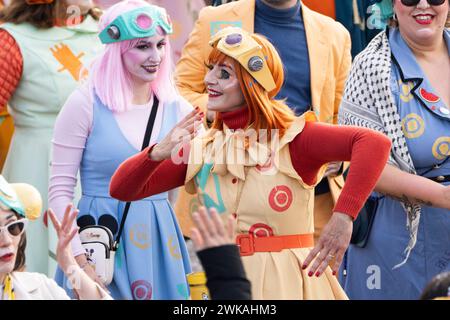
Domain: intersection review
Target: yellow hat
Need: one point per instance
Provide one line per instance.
(239, 45)
(21, 198)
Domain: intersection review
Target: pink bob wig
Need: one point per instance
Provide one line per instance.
(108, 76)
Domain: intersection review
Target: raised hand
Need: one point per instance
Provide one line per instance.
(66, 232)
(184, 131)
(209, 230)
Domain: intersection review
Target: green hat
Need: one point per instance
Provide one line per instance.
(138, 23)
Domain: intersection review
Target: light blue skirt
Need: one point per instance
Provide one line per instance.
(152, 260)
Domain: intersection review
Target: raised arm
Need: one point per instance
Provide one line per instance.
(86, 288)
(153, 170)
(71, 131)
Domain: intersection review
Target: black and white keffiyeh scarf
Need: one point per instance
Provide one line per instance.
(368, 102)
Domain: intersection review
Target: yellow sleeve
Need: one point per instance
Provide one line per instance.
(190, 70)
(341, 77)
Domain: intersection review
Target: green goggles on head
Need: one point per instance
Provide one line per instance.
(138, 23)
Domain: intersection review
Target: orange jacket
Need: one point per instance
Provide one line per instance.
(328, 45)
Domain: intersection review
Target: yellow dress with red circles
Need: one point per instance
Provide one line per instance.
(268, 198)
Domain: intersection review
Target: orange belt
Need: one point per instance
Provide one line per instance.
(248, 244)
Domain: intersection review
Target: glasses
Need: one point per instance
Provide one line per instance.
(15, 228)
(411, 3)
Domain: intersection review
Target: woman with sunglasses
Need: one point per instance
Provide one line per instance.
(400, 85)
(103, 123)
(18, 203)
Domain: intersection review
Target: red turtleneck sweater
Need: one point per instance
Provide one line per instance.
(367, 150)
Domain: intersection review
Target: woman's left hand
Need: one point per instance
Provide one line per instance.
(332, 244)
(66, 232)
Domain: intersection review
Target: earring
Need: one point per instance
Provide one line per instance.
(394, 17)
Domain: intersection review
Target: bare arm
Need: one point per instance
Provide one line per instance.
(414, 189)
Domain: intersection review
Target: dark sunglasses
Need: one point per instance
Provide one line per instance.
(15, 228)
(411, 3)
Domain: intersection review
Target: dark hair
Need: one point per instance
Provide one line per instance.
(20, 256)
(438, 287)
(41, 16)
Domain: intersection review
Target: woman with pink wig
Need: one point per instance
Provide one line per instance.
(102, 124)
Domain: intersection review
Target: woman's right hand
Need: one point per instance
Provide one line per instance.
(184, 131)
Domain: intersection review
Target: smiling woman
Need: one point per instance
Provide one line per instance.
(269, 189)
(400, 85)
(129, 92)
(18, 203)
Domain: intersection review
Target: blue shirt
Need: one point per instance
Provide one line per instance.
(285, 30)
(425, 117)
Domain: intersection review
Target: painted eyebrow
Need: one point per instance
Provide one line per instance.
(223, 64)
(150, 42)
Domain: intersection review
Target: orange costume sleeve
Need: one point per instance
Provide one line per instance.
(11, 67)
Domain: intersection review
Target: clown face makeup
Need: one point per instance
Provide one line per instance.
(10, 235)
(224, 91)
(144, 59)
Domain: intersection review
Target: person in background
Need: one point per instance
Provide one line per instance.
(103, 123)
(44, 47)
(20, 203)
(183, 13)
(316, 52)
(400, 86)
(438, 288)
(259, 163)
(215, 244)
(6, 123)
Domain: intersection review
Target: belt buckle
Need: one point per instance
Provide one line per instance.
(245, 244)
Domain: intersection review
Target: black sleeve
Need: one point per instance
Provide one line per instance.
(225, 273)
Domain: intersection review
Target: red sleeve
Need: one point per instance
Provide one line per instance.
(140, 177)
(367, 151)
(11, 65)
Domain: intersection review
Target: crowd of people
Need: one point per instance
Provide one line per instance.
(255, 150)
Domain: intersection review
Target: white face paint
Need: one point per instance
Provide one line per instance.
(222, 85)
(8, 243)
(144, 60)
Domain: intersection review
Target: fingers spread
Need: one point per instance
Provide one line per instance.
(217, 222)
(312, 255)
(197, 239)
(54, 220)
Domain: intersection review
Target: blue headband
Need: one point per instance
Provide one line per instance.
(138, 23)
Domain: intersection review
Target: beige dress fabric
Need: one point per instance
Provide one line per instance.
(268, 198)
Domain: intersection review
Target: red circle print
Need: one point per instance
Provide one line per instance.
(280, 198)
(260, 230)
(141, 290)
